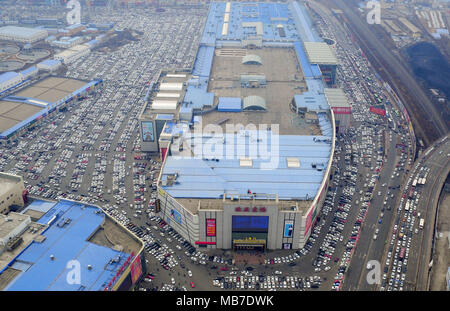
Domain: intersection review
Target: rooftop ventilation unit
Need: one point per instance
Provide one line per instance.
(171, 179)
(293, 162)
(246, 162)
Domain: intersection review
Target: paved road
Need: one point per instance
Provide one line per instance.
(414, 268)
(368, 248)
(438, 162)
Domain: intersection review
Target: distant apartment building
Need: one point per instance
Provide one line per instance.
(11, 192)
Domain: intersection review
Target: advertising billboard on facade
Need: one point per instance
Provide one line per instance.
(210, 227)
(309, 220)
(175, 215)
(250, 223)
(288, 228)
(148, 134)
(136, 269)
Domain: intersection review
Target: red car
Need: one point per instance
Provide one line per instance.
(192, 284)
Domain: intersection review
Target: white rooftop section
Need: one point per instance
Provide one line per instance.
(39, 102)
(320, 53)
(176, 75)
(168, 95)
(336, 98)
(228, 7)
(293, 162)
(246, 162)
(257, 25)
(164, 104)
(9, 225)
(22, 34)
(171, 86)
(224, 29)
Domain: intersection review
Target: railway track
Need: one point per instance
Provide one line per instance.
(407, 88)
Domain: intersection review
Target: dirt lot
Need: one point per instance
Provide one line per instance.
(441, 256)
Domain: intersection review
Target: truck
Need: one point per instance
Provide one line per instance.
(421, 223)
(411, 193)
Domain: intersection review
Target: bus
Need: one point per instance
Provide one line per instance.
(421, 223)
(414, 182)
(407, 206)
(401, 255)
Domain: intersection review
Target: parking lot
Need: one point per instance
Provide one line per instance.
(91, 152)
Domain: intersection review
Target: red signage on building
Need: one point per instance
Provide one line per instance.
(342, 110)
(204, 243)
(136, 269)
(210, 227)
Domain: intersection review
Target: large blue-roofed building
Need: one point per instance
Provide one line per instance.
(248, 151)
(67, 246)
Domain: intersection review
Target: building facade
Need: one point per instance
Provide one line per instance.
(11, 191)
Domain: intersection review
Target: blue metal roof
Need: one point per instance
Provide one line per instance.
(230, 104)
(164, 116)
(8, 76)
(50, 62)
(198, 97)
(204, 177)
(312, 101)
(269, 14)
(28, 70)
(93, 42)
(203, 61)
(303, 23)
(66, 243)
(40, 206)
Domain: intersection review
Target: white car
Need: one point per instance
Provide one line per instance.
(190, 273)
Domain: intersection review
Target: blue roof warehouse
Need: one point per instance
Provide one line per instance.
(58, 237)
